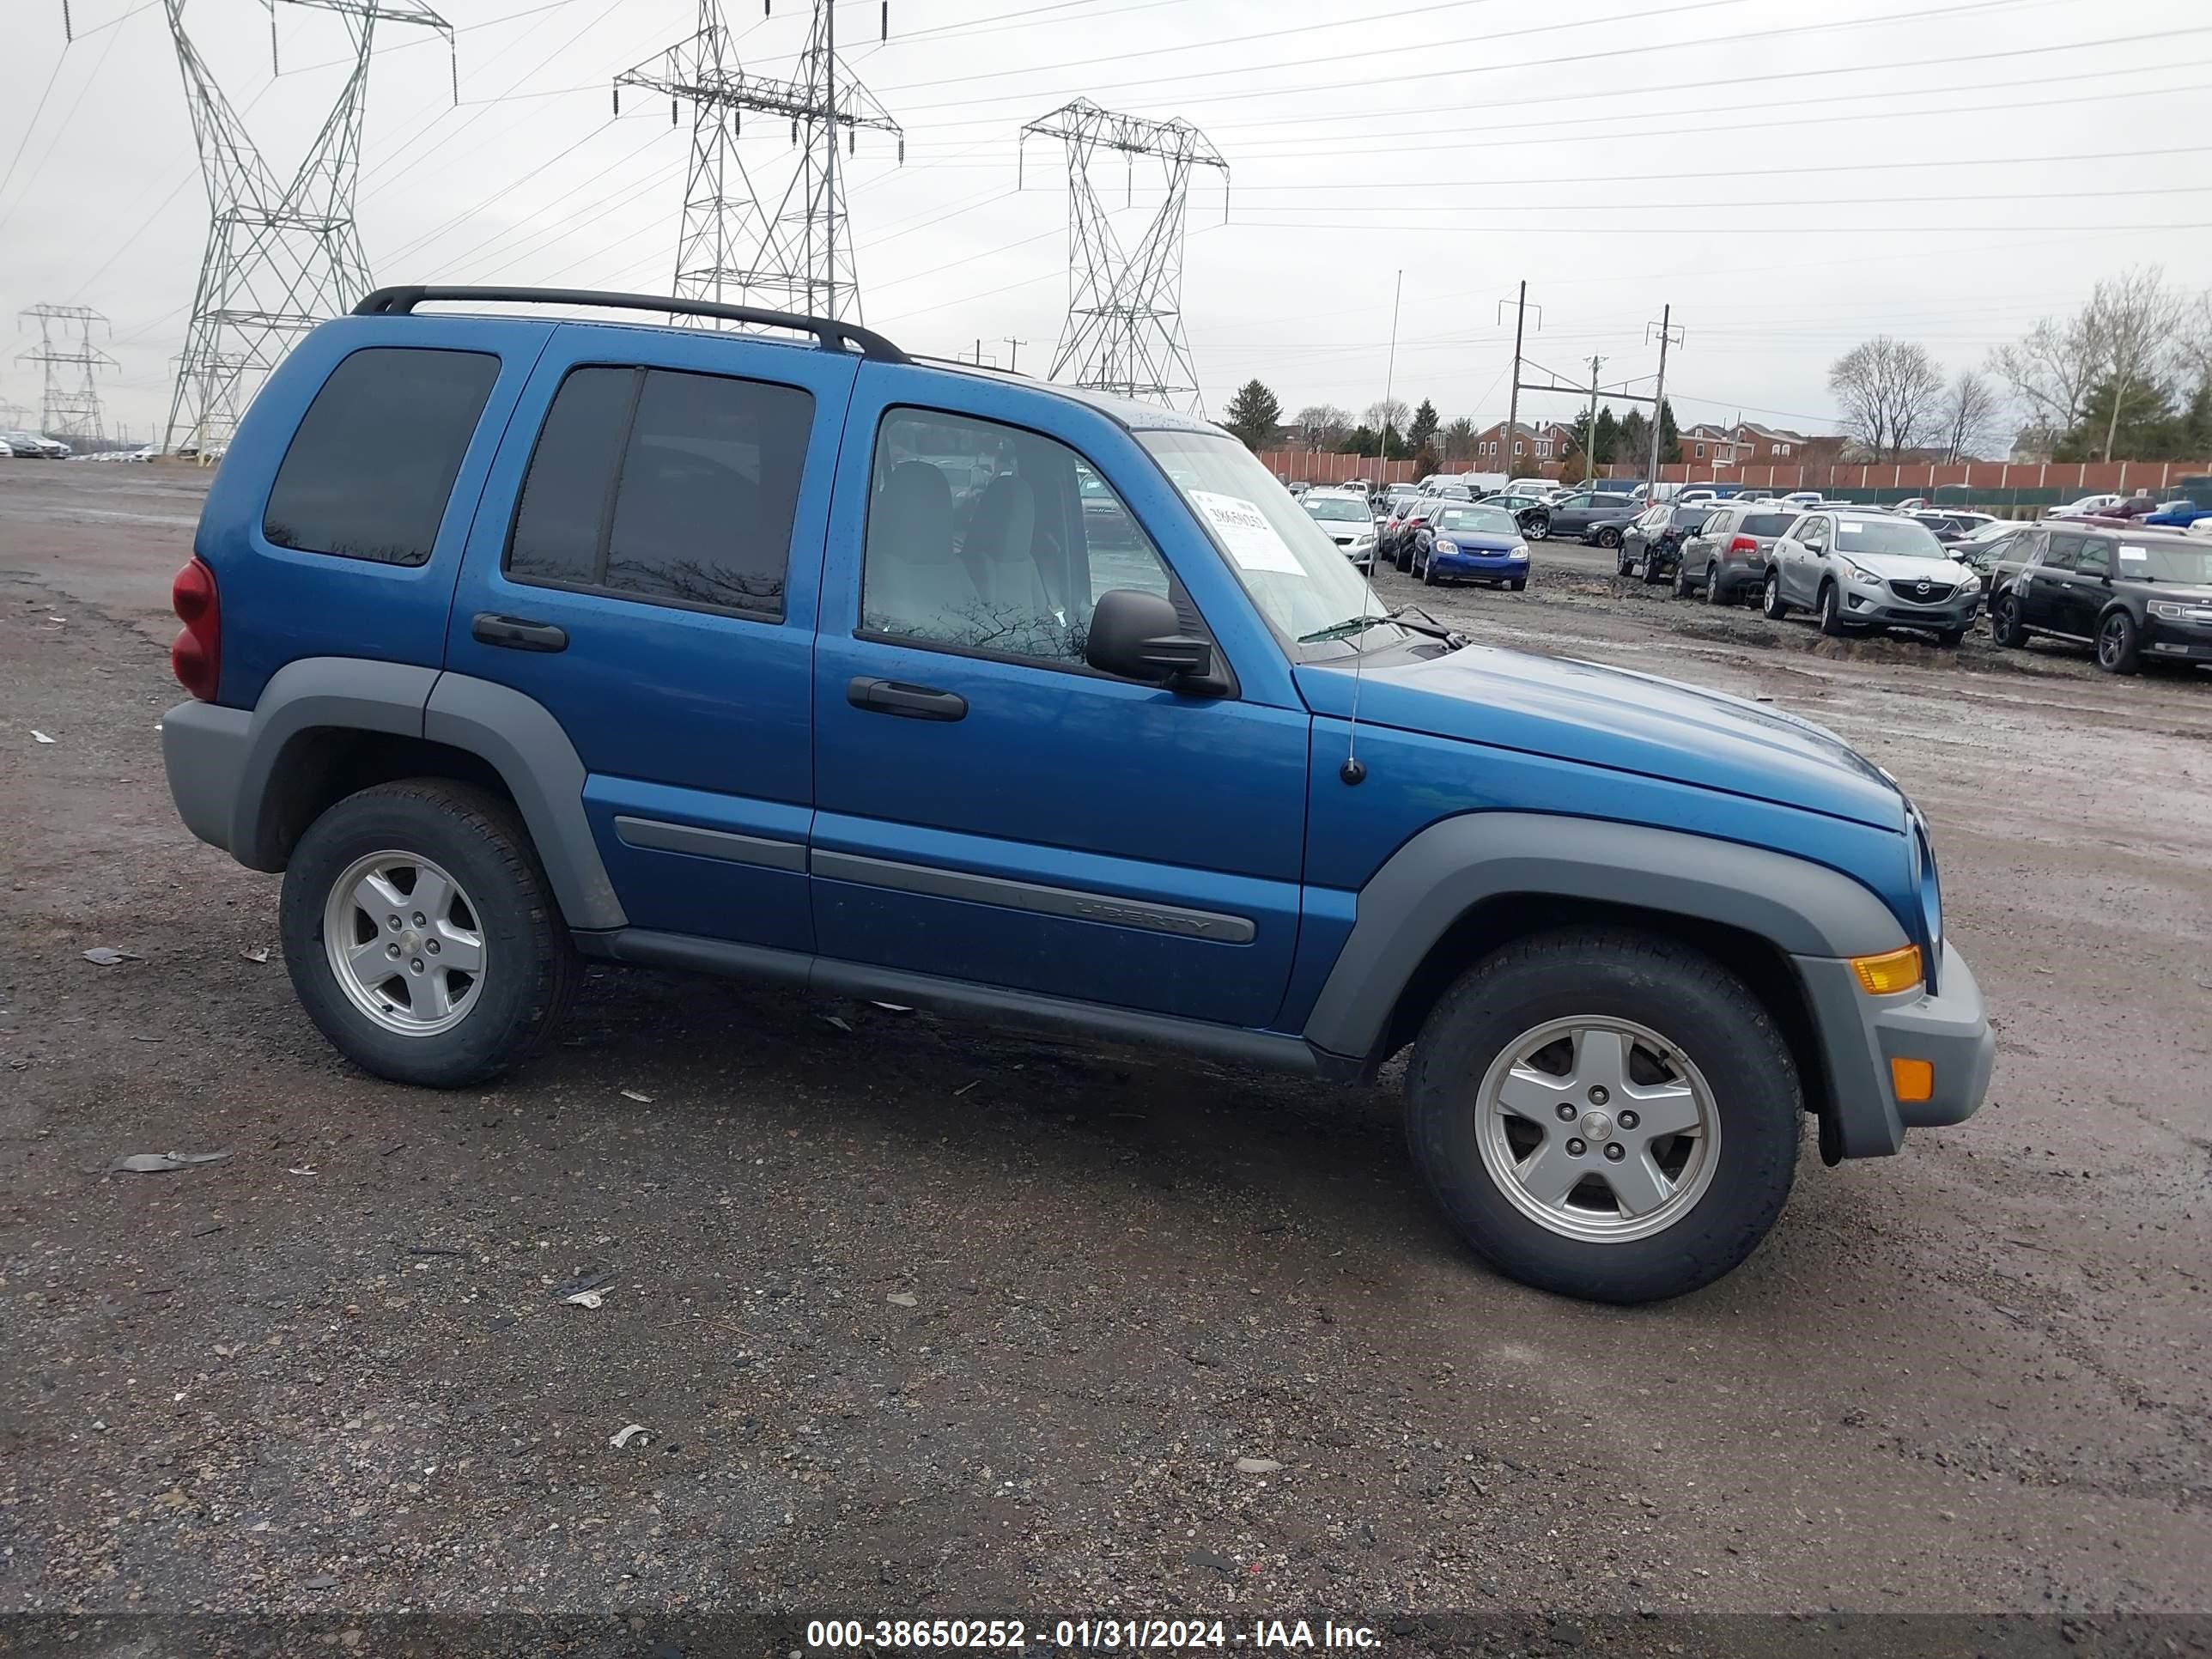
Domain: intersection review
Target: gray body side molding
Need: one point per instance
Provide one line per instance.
(523, 742)
(1802, 908)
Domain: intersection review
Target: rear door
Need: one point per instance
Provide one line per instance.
(992, 809)
(646, 565)
(2043, 588)
(2082, 597)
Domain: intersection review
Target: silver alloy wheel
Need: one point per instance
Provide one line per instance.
(1597, 1129)
(404, 943)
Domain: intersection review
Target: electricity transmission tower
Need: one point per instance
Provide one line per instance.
(70, 408)
(730, 246)
(1124, 331)
(281, 254)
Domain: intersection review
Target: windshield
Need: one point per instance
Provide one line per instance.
(1478, 521)
(2162, 562)
(1296, 576)
(1337, 508)
(1898, 538)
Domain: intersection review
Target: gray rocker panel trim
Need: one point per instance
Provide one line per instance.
(1802, 908)
(524, 743)
(660, 836)
(1034, 898)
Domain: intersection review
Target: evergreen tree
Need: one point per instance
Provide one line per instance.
(1423, 428)
(1604, 441)
(1253, 414)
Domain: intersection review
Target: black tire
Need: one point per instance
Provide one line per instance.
(479, 839)
(1950, 638)
(2004, 622)
(1537, 526)
(1832, 610)
(2120, 648)
(1682, 586)
(1518, 584)
(1654, 567)
(1670, 989)
(1771, 604)
(1428, 569)
(1710, 586)
(1609, 537)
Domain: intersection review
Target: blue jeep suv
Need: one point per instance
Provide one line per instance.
(517, 640)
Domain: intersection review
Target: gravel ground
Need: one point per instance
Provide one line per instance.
(920, 1320)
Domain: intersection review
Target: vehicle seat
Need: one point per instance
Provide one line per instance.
(916, 582)
(1001, 554)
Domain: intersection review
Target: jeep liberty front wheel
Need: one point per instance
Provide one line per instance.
(1608, 1115)
(422, 935)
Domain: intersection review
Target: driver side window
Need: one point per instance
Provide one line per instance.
(1816, 535)
(990, 539)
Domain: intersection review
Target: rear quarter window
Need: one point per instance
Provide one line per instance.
(370, 468)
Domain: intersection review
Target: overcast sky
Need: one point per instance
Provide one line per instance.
(1792, 176)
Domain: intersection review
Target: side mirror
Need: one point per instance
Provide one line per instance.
(1137, 636)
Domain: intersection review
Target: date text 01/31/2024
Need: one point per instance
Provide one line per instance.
(1085, 1635)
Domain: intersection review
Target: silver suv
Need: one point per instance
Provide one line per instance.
(1870, 571)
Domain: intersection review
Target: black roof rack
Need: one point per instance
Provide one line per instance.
(834, 336)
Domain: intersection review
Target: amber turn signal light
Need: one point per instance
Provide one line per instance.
(1913, 1079)
(1895, 970)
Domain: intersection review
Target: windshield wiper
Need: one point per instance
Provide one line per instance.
(1347, 628)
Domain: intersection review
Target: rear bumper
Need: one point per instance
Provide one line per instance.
(1860, 1035)
(203, 747)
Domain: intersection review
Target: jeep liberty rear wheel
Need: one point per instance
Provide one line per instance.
(422, 935)
(1606, 1115)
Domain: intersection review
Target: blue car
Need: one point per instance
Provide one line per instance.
(2178, 514)
(1473, 542)
(518, 642)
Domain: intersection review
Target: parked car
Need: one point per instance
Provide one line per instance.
(6, 451)
(1349, 522)
(1869, 572)
(1297, 487)
(1472, 541)
(1803, 500)
(2134, 596)
(1587, 516)
(33, 445)
(1531, 511)
(2083, 506)
(1653, 540)
(1988, 548)
(1946, 526)
(1394, 541)
(1726, 559)
(2178, 515)
(1631, 929)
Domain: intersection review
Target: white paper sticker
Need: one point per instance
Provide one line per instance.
(2133, 555)
(1854, 526)
(1245, 531)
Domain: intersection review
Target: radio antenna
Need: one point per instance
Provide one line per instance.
(1354, 770)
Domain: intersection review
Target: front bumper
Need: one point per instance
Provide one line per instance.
(1860, 1035)
(1860, 606)
(2172, 642)
(1490, 566)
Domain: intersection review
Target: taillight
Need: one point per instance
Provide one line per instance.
(1744, 545)
(196, 657)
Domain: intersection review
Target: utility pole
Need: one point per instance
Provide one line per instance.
(1390, 374)
(728, 246)
(281, 254)
(1013, 352)
(1667, 333)
(1513, 406)
(70, 408)
(1558, 382)
(1124, 331)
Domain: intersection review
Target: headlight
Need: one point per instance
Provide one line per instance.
(1444, 546)
(2173, 613)
(1971, 585)
(1857, 574)
(1520, 551)
(1368, 540)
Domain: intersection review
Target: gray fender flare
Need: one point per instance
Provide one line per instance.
(1801, 907)
(515, 735)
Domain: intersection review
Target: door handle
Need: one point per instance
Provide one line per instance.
(914, 702)
(518, 635)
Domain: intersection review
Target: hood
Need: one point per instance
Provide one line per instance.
(1614, 719)
(1903, 566)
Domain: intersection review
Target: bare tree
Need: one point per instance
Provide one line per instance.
(1459, 439)
(1322, 426)
(1971, 415)
(2053, 369)
(1387, 412)
(1890, 391)
(2136, 318)
(2193, 341)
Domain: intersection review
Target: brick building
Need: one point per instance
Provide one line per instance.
(1533, 448)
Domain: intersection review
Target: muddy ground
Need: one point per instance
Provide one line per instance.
(922, 1320)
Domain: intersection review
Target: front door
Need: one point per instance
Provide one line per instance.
(654, 588)
(2042, 588)
(1802, 565)
(992, 809)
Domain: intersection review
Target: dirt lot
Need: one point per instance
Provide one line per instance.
(923, 1319)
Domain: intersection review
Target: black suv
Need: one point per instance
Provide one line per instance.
(2138, 595)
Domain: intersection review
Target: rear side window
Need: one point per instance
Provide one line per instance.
(1767, 523)
(657, 484)
(374, 458)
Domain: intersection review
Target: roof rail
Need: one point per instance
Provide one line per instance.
(834, 336)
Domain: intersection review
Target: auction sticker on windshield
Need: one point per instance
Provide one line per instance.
(1245, 531)
(2133, 555)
